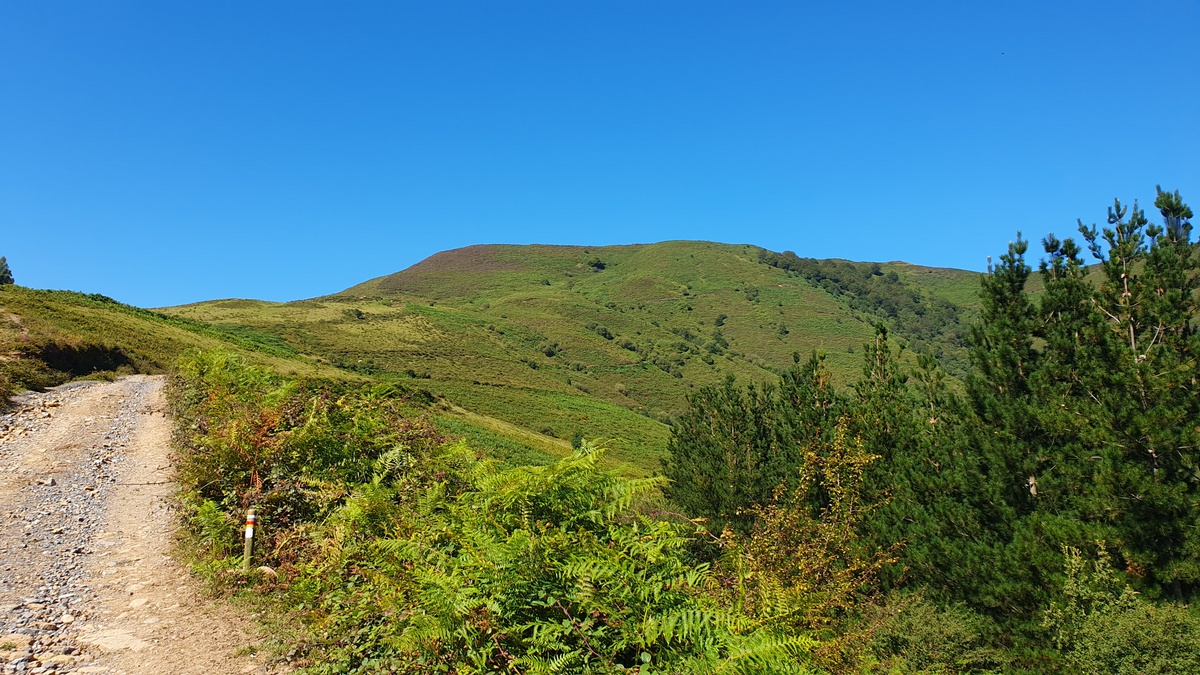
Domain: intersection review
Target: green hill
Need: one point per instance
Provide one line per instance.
(50, 337)
(544, 343)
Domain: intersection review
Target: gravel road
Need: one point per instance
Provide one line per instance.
(87, 583)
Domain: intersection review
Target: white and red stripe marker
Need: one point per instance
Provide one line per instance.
(251, 520)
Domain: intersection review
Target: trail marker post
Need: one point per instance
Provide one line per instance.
(251, 519)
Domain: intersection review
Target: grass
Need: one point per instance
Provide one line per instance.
(548, 420)
(49, 337)
(557, 340)
(960, 287)
(106, 339)
(485, 432)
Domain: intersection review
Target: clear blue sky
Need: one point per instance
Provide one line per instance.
(170, 152)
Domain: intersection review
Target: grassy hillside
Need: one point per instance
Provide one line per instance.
(49, 337)
(605, 342)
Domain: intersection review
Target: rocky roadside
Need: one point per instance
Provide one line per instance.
(53, 508)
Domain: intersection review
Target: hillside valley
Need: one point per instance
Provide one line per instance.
(496, 421)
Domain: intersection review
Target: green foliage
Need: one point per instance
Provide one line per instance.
(933, 324)
(406, 554)
(600, 330)
(1176, 215)
(1088, 590)
(846, 485)
(1089, 397)
(922, 638)
(1105, 627)
(805, 567)
(253, 438)
(544, 570)
(1144, 639)
(6, 276)
(734, 446)
(215, 528)
(1078, 424)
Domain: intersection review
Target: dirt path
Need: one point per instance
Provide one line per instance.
(87, 584)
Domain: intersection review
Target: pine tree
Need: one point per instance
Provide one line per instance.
(735, 445)
(1033, 361)
(6, 276)
(999, 388)
(1086, 402)
(928, 494)
(805, 414)
(1148, 299)
(1074, 376)
(719, 455)
(1079, 424)
(1002, 343)
(1176, 215)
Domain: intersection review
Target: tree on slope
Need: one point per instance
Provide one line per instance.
(1078, 425)
(927, 490)
(735, 445)
(1148, 299)
(6, 276)
(1087, 401)
(736, 453)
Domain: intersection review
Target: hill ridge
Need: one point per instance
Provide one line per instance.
(607, 341)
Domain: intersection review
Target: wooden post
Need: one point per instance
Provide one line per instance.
(251, 517)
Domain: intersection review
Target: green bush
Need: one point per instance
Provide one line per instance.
(290, 448)
(215, 528)
(1140, 639)
(923, 638)
(1108, 629)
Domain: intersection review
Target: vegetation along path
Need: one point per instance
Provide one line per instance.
(86, 581)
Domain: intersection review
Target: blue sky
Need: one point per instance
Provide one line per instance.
(165, 153)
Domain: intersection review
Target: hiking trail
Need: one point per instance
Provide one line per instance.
(87, 580)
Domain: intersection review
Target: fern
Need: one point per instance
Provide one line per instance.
(216, 529)
(413, 556)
